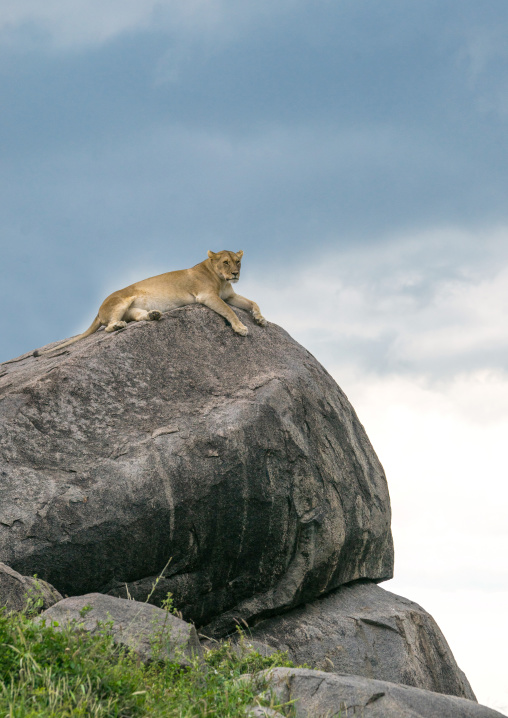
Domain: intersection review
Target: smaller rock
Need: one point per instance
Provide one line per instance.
(151, 632)
(364, 630)
(22, 593)
(320, 695)
(263, 712)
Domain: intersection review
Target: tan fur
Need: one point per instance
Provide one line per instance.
(207, 283)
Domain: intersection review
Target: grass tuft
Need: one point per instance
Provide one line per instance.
(69, 673)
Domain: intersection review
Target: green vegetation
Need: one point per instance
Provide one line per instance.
(69, 673)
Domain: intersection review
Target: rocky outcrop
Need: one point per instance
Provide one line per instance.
(25, 593)
(238, 459)
(320, 695)
(152, 633)
(364, 630)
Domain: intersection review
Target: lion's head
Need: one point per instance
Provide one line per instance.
(226, 264)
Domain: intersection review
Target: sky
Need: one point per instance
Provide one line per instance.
(356, 151)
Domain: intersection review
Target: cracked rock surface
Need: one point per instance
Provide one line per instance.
(238, 460)
(323, 695)
(364, 630)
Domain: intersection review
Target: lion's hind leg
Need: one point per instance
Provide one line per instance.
(113, 312)
(116, 311)
(142, 315)
(115, 326)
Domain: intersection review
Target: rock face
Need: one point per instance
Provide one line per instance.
(147, 630)
(17, 592)
(322, 695)
(367, 631)
(238, 459)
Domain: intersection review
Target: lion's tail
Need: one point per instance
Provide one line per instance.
(91, 330)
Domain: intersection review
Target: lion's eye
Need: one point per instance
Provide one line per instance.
(226, 262)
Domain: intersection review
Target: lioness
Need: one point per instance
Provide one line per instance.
(207, 283)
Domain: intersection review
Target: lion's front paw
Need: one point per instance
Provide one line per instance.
(154, 315)
(241, 329)
(259, 319)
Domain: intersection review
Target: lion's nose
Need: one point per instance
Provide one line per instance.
(235, 274)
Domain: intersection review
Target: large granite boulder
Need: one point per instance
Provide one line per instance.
(148, 631)
(237, 459)
(25, 593)
(367, 631)
(322, 695)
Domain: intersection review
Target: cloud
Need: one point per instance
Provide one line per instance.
(444, 463)
(431, 305)
(86, 23)
(484, 56)
(81, 22)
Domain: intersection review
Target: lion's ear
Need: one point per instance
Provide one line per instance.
(239, 254)
(211, 254)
